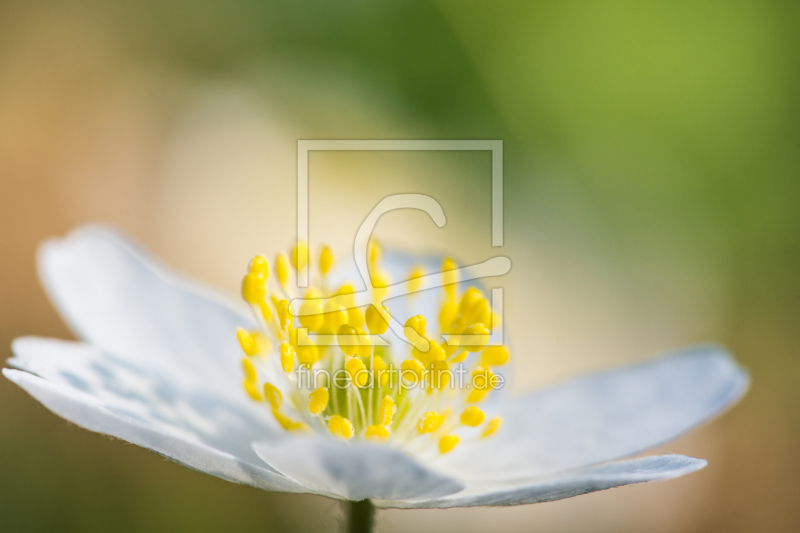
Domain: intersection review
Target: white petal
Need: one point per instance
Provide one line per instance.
(603, 417)
(85, 411)
(354, 470)
(149, 395)
(570, 484)
(116, 297)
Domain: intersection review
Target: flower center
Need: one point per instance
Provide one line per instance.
(338, 374)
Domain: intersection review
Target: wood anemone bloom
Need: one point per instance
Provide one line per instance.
(172, 366)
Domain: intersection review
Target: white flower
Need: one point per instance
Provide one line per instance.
(159, 366)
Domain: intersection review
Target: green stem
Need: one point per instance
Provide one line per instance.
(360, 516)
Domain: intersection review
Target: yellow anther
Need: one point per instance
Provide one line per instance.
(299, 256)
(266, 312)
(470, 297)
(347, 337)
(435, 352)
(310, 315)
(412, 370)
(375, 252)
(254, 288)
(481, 384)
(377, 322)
(495, 321)
(260, 267)
(344, 296)
(357, 371)
(252, 391)
(481, 313)
(318, 400)
(246, 341)
(249, 370)
(418, 324)
(380, 281)
(287, 357)
(326, 259)
(273, 396)
(307, 351)
(386, 411)
(285, 317)
(474, 338)
(334, 314)
(379, 370)
(459, 357)
(282, 269)
(287, 423)
(450, 277)
(491, 427)
(341, 427)
(364, 344)
(415, 279)
(472, 416)
(439, 374)
(448, 442)
(355, 317)
(376, 433)
(494, 356)
(447, 316)
(430, 422)
(325, 336)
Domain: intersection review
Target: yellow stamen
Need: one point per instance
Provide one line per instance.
(417, 324)
(379, 433)
(377, 322)
(282, 269)
(494, 356)
(334, 314)
(414, 279)
(299, 256)
(448, 442)
(491, 427)
(310, 315)
(357, 371)
(475, 337)
(386, 411)
(252, 391)
(355, 317)
(287, 357)
(246, 341)
(347, 337)
(307, 351)
(341, 427)
(447, 316)
(412, 367)
(379, 369)
(273, 396)
(249, 370)
(326, 260)
(375, 252)
(266, 312)
(254, 288)
(287, 423)
(318, 400)
(450, 277)
(435, 352)
(430, 422)
(481, 383)
(285, 317)
(380, 281)
(259, 266)
(472, 416)
(439, 375)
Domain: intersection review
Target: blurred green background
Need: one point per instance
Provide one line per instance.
(652, 200)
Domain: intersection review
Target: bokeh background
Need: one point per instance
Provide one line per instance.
(652, 201)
